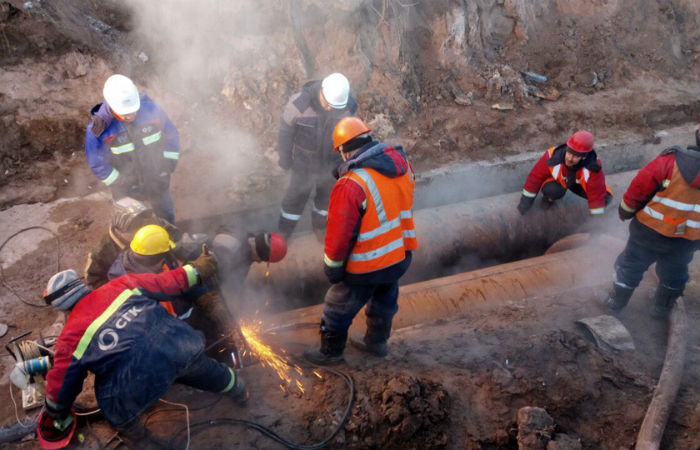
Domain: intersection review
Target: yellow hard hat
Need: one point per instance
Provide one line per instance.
(151, 240)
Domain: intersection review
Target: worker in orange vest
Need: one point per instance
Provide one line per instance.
(572, 166)
(369, 241)
(663, 201)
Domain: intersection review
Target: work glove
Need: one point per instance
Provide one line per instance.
(334, 274)
(525, 204)
(623, 213)
(62, 419)
(206, 266)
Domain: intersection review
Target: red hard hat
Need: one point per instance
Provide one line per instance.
(49, 437)
(581, 141)
(278, 247)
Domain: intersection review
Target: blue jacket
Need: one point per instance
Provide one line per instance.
(127, 154)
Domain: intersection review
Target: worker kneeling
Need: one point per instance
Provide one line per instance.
(572, 166)
(133, 346)
(369, 241)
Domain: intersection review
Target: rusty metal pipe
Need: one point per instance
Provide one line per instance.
(652, 430)
(452, 296)
(452, 239)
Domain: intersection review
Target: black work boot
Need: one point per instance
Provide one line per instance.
(663, 301)
(374, 340)
(331, 351)
(619, 297)
(238, 392)
(546, 202)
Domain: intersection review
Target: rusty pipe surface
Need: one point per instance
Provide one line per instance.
(652, 430)
(452, 296)
(452, 239)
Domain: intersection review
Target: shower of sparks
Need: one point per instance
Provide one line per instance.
(267, 357)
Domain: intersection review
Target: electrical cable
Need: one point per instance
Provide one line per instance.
(23, 425)
(58, 262)
(187, 416)
(194, 428)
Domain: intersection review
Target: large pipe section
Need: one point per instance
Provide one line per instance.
(453, 238)
(453, 296)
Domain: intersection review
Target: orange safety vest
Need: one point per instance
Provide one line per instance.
(582, 175)
(386, 230)
(675, 210)
(168, 305)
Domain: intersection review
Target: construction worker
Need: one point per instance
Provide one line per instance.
(305, 140)
(369, 241)
(572, 166)
(663, 201)
(152, 251)
(132, 146)
(133, 346)
(128, 217)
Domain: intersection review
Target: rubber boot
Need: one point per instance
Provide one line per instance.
(331, 351)
(375, 339)
(239, 393)
(137, 437)
(663, 301)
(619, 297)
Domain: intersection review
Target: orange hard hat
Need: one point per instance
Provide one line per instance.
(347, 129)
(581, 141)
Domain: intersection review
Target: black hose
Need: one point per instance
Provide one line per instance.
(58, 262)
(265, 431)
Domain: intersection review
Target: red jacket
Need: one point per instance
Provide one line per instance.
(105, 325)
(590, 168)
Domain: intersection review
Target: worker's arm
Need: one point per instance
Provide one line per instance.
(596, 192)
(99, 261)
(539, 173)
(647, 182)
(347, 204)
(171, 150)
(170, 282)
(99, 158)
(285, 139)
(65, 379)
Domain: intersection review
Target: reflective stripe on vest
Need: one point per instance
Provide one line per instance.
(386, 230)
(150, 139)
(171, 155)
(674, 211)
(101, 319)
(130, 147)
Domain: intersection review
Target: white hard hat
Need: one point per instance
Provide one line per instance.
(336, 89)
(121, 95)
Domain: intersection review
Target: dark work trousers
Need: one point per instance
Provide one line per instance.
(171, 352)
(553, 190)
(343, 301)
(156, 194)
(644, 247)
(300, 186)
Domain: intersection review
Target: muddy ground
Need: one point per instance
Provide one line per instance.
(427, 75)
(455, 383)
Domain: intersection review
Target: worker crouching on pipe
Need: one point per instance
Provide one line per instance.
(369, 241)
(133, 346)
(663, 201)
(572, 166)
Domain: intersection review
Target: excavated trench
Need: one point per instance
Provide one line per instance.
(465, 220)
